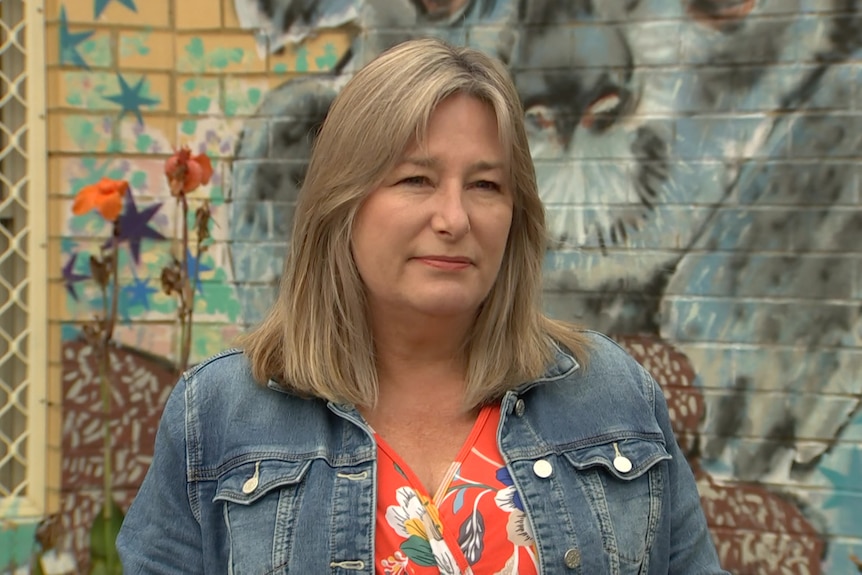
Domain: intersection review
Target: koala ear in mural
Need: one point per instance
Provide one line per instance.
(272, 156)
(279, 23)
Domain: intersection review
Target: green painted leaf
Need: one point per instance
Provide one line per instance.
(419, 551)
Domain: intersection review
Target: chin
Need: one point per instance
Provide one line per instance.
(446, 306)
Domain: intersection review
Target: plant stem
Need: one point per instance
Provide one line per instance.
(185, 328)
(115, 276)
(109, 320)
(192, 284)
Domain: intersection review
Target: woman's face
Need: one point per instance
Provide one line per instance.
(430, 240)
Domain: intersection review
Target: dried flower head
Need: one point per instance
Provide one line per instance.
(202, 222)
(172, 278)
(186, 172)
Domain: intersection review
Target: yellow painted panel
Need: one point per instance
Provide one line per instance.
(148, 13)
(243, 95)
(317, 54)
(90, 91)
(146, 50)
(198, 14)
(217, 135)
(198, 95)
(229, 18)
(79, 132)
(218, 53)
(93, 134)
(52, 43)
(154, 13)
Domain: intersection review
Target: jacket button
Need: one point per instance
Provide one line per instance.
(519, 408)
(622, 464)
(572, 558)
(543, 468)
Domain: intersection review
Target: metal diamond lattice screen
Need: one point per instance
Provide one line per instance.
(14, 215)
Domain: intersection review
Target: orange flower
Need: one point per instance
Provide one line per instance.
(186, 172)
(106, 197)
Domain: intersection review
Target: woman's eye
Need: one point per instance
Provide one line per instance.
(415, 181)
(487, 185)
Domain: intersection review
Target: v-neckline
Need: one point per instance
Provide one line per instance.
(465, 449)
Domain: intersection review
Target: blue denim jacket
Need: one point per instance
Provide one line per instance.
(248, 479)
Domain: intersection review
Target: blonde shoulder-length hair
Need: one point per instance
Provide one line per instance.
(316, 339)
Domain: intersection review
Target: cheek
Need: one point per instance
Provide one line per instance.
(502, 230)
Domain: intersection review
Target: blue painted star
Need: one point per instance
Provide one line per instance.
(190, 269)
(100, 5)
(137, 294)
(70, 41)
(135, 226)
(130, 98)
(70, 278)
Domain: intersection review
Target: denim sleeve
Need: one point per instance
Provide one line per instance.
(161, 533)
(692, 551)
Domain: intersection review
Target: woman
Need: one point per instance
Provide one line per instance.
(406, 407)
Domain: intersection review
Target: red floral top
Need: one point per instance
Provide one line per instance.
(474, 525)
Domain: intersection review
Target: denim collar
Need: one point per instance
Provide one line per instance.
(562, 366)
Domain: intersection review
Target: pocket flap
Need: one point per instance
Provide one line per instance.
(248, 482)
(626, 459)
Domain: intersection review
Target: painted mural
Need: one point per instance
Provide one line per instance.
(700, 165)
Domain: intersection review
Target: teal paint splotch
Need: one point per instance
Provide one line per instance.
(254, 95)
(17, 539)
(69, 332)
(198, 60)
(329, 58)
(221, 297)
(221, 58)
(188, 127)
(138, 180)
(136, 44)
(198, 105)
(17, 543)
(195, 48)
(143, 142)
(98, 51)
(302, 59)
(843, 480)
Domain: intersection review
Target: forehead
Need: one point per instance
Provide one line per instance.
(461, 116)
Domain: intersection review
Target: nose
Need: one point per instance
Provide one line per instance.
(450, 217)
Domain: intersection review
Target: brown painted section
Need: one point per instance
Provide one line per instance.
(754, 529)
(141, 387)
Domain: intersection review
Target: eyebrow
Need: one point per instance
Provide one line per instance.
(426, 162)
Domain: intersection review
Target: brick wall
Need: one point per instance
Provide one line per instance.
(700, 164)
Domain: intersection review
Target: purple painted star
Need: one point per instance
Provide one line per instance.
(134, 226)
(70, 278)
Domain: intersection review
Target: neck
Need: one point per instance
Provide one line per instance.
(420, 359)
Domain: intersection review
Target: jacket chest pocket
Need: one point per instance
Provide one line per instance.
(259, 501)
(624, 481)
